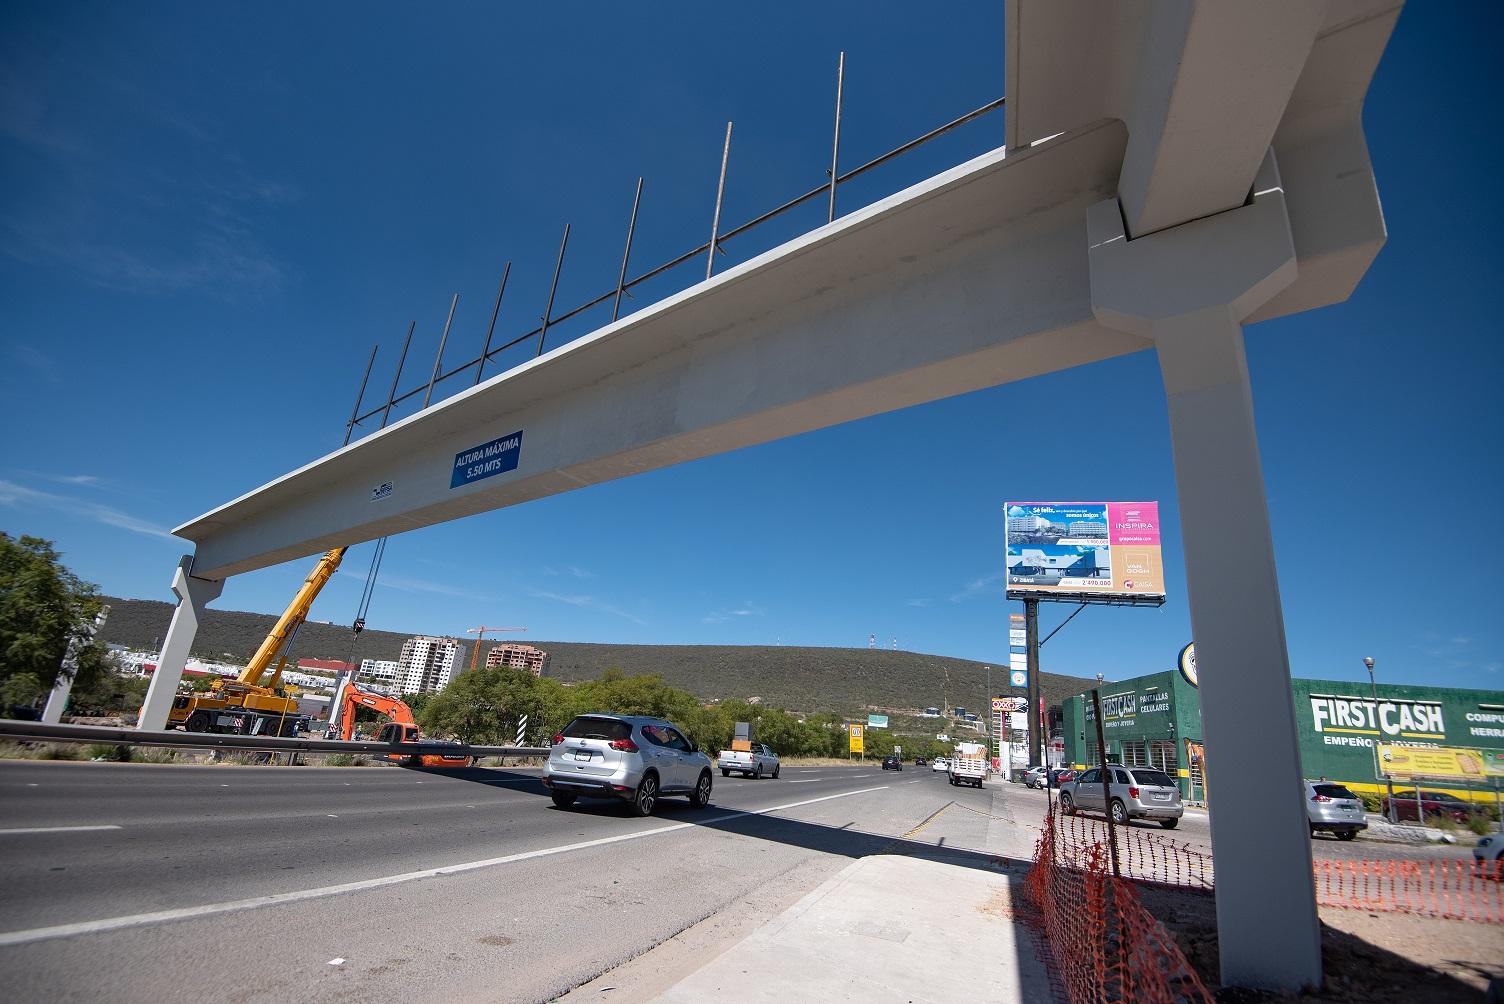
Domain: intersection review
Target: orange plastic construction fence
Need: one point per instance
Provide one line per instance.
(1449, 890)
(1105, 945)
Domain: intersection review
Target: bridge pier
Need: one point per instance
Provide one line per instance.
(1189, 287)
(194, 595)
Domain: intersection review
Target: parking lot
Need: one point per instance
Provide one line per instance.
(1195, 832)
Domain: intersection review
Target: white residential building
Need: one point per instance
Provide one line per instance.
(379, 670)
(428, 664)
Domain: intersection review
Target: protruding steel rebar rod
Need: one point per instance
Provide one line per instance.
(392, 396)
(480, 364)
(438, 360)
(835, 145)
(720, 191)
(822, 189)
(621, 280)
(355, 414)
(552, 289)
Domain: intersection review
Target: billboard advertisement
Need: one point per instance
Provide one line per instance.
(877, 721)
(1084, 548)
(1441, 762)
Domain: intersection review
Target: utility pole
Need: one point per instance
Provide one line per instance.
(1391, 813)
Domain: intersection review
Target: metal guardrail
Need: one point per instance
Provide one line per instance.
(124, 736)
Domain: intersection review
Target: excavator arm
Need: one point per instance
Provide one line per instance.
(392, 707)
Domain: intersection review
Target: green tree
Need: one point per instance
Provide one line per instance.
(483, 707)
(43, 606)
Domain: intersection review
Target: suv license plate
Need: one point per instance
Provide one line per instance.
(582, 756)
(1161, 796)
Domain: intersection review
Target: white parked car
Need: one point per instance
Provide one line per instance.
(760, 762)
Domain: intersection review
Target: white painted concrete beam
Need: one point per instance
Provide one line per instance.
(974, 278)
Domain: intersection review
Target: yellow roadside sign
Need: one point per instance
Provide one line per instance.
(1440, 761)
(856, 737)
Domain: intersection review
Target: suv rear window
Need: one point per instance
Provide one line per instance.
(1333, 791)
(590, 727)
(1155, 777)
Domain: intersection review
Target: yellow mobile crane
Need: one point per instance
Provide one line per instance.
(243, 705)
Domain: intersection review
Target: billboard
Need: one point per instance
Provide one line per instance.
(1079, 549)
(877, 721)
(1441, 762)
(1010, 704)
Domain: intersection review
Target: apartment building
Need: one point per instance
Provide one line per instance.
(518, 656)
(379, 670)
(427, 664)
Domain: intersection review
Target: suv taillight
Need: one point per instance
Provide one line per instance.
(1320, 798)
(625, 745)
(557, 739)
(1132, 792)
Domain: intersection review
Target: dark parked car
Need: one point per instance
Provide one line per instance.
(892, 763)
(1435, 804)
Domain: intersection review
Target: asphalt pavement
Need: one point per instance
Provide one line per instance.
(145, 882)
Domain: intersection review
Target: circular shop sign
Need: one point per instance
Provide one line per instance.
(1187, 662)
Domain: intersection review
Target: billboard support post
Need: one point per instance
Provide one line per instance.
(1031, 646)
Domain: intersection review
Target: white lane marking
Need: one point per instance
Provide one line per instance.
(336, 962)
(54, 829)
(808, 780)
(8, 938)
(33, 784)
(911, 782)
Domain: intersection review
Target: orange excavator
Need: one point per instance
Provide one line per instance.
(401, 727)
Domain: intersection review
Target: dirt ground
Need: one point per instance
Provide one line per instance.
(1383, 958)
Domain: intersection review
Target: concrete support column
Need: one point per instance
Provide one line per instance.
(1188, 288)
(194, 595)
(57, 701)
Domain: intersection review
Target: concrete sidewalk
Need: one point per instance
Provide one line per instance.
(885, 928)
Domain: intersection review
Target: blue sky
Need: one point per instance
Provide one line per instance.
(211, 212)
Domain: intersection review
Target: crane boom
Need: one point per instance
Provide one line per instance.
(293, 617)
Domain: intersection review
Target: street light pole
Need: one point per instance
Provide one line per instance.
(1392, 814)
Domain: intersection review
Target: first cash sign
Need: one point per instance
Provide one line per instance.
(487, 460)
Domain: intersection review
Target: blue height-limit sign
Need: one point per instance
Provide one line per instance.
(487, 460)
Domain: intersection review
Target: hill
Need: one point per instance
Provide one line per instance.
(845, 681)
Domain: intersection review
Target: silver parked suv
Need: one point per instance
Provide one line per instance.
(1136, 792)
(628, 757)
(1333, 807)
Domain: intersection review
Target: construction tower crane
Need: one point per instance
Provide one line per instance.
(480, 633)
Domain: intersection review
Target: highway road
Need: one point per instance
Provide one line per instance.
(164, 883)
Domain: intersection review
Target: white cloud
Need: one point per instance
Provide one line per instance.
(404, 584)
(20, 496)
(587, 603)
(984, 586)
(922, 602)
(747, 609)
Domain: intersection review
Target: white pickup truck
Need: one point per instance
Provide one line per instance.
(759, 762)
(969, 764)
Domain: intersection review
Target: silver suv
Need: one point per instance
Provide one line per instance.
(1333, 807)
(628, 757)
(1136, 792)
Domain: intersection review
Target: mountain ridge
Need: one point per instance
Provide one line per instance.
(798, 678)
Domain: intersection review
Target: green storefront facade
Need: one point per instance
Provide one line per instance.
(1155, 721)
